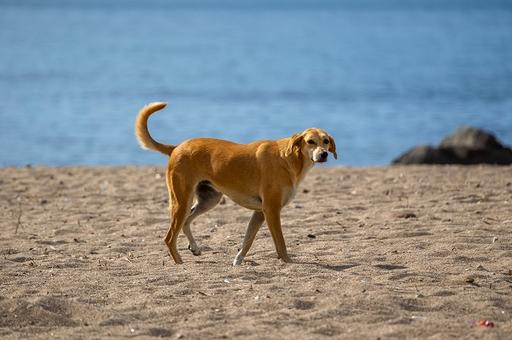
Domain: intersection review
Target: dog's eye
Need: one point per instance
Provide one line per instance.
(326, 141)
(311, 141)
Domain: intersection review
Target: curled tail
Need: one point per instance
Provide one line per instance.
(142, 132)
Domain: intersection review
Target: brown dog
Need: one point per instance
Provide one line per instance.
(262, 176)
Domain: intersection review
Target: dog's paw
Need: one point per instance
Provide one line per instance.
(194, 250)
(238, 261)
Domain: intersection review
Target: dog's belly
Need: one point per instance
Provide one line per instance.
(246, 201)
(249, 200)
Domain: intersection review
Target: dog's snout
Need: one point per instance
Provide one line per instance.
(324, 154)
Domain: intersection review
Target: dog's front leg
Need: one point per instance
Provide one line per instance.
(272, 212)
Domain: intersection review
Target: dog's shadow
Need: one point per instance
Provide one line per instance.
(334, 267)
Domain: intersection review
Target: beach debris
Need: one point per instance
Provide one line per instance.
(406, 215)
(418, 317)
(226, 281)
(311, 236)
(494, 239)
(20, 213)
(483, 323)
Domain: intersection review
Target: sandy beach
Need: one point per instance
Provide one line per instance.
(389, 253)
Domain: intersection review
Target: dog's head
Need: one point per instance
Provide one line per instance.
(314, 144)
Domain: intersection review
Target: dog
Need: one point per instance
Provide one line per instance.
(262, 176)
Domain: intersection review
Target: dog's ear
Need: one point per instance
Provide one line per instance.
(293, 143)
(332, 147)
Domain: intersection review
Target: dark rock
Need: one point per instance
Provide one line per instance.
(424, 154)
(467, 145)
(471, 138)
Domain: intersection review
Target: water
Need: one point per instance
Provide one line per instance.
(379, 76)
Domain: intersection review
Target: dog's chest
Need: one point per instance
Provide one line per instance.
(289, 196)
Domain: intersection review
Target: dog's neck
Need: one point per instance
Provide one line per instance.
(298, 166)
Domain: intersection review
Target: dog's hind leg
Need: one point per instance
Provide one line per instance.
(207, 199)
(255, 223)
(180, 203)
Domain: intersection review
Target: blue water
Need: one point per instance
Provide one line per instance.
(380, 76)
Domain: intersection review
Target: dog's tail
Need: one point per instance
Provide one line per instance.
(142, 132)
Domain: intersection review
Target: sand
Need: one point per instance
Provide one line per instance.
(392, 252)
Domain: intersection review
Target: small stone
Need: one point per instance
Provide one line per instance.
(311, 236)
(469, 279)
(406, 215)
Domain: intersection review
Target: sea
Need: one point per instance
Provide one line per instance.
(379, 76)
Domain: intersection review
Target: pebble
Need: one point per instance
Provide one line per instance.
(469, 279)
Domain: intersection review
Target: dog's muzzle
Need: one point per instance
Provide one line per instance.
(323, 157)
